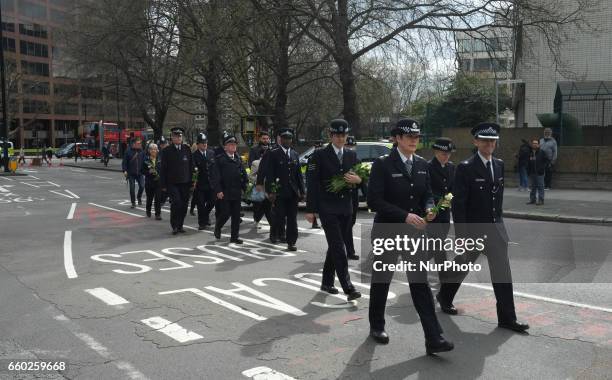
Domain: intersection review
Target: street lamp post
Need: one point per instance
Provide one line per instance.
(497, 83)
(5, 128)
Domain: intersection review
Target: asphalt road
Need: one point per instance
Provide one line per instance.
(86, 280)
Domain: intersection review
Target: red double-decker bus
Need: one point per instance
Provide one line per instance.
(97, 134)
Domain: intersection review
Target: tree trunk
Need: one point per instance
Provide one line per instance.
(213, 95)
(350, 109)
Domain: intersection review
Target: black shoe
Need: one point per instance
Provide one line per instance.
(530, 203)
(353, 257)
(273, 240)
(353, 295)
(181, 230)
(133, 205)
(191, 212)
(380, 336)
(158, 217)
(236, 241)
(201, 228)
(148, 214)
(208, 224)
(514, 326)
(447, 307)
(217, 233)
(291, 248)
(329, 289)
(438, 345)
(175, 231)
(140, 202)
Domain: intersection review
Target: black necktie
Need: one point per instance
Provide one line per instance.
(489, 172)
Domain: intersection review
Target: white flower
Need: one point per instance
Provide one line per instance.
(448, 197)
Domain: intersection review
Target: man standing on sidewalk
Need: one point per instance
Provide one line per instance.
(176, 178)
(549, 145)
(477, 211)
(536, 168)
(132, 170)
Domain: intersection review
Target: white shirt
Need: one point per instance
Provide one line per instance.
(484, 161)
(338, 150)
(203, 153)
(286, 150)
(404, 158)
(230, 156)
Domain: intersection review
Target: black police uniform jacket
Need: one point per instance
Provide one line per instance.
(393, 193)
(228, 176)
(287, 171)
(442, 179)
(176, 165)
(323, 165)
(204, 165)
(476, 198)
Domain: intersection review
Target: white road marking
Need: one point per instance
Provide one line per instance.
(62, 194)
(55, 184)
(545, 299)
(3, 190)
(265, 373)
(100, 349)
(71, 212)
(68, 264)
(172, 330)
(73, 194)
(114, 209)
(7, 178)
(107, 296)
(99, 176)
(77, 170)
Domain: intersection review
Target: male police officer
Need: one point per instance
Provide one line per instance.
(283, 172)
(277, 228)
(176, 178)
(442, 175)
(203, 159)
(351, 143)
(334, 209)
(477, 210)
(229, 180)
(399, 192)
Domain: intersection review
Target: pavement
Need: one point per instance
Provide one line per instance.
(88, 281)
(566, 206)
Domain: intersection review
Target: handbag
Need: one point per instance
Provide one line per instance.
(257, 196)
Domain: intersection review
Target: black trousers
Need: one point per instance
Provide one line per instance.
(154, 195)
(194, 199)
(262, 208)
(496, 250)
(225, 210)
(349, 243)
(336, 263)
(439, 230)
(179, 196)
(548, 176)
(286, 213)
(277, 228)
(420, 292)
(205, 202)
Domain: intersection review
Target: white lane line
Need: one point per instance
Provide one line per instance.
(100, 349)
(62, 194)
(107, 296)
(99, 176)
(7, 178)
(71, 212)
(77, 170)
(54, 184)
(172, 330)
(68, 264)
(114, 209)
(265, 373)
(73, 194)
(546, 299)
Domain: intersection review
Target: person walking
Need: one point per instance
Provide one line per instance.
(151, 169)
(132, 170)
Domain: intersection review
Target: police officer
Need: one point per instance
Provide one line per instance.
(442, 175)
(277, 228)
(203, 158)
(176, 178)
(477, 211)
(283, 172)
(351, 143)
(399, 192)
(229, 180)
(334, 209)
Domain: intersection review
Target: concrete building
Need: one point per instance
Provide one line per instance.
(487, 54)
(586, 57)
(47, 106)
